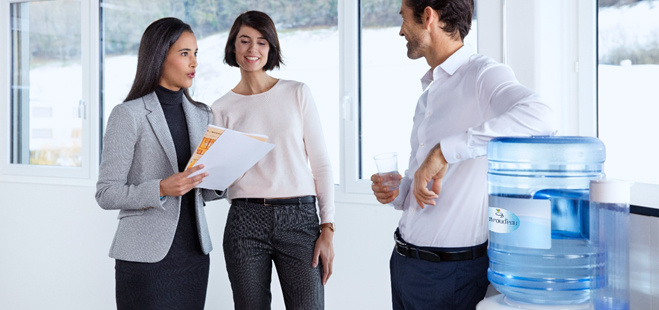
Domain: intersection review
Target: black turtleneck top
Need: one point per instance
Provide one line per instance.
(172, 105)
(186, 238)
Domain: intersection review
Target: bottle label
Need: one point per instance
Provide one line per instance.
(502, 221)
(520, 222)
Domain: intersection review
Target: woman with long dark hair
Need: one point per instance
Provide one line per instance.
(162, 242)
(273, 214)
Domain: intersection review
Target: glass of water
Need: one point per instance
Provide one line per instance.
(387, 164)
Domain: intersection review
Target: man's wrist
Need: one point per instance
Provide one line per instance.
(437, 152)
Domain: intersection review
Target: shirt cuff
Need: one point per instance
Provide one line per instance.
(398, 203)
(403, 190)
(455, 148)
(326, 218)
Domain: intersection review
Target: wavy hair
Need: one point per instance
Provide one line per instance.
(455, 14)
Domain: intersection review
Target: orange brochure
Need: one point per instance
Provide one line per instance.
(212, 133)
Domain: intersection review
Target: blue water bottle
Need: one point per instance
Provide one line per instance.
(609, 203)
(539, 246)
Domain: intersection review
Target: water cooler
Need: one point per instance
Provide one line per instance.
(540, 249)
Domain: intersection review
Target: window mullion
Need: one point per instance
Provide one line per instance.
(20, 72)
(349, 89)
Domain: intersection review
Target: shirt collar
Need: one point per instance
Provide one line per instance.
(449, 66)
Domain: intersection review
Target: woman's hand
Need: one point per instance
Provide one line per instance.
(179, 184)
(324, 250)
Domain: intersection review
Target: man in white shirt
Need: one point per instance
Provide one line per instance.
(440, 258)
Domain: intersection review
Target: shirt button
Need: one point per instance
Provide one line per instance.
(458, 157)
(428, 113)
(423, 144)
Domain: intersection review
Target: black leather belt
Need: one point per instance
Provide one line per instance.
(278, 201)
(438, 254)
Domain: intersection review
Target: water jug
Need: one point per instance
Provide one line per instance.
(539, 245)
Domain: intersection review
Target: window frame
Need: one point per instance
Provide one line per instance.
(642, 194)
(352, 188)
(349, 27)
(495, 40)
(87, 173)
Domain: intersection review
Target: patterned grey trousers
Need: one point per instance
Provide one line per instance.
(257, 235)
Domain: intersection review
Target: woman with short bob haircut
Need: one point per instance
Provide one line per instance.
(263, 25)
(162, 242)
(273, 215)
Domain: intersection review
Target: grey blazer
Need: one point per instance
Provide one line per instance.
(138, 152)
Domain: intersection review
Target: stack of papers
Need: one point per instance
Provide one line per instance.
(227, 155)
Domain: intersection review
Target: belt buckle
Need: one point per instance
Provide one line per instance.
(398, 250)
(400, 244)
(404, 249)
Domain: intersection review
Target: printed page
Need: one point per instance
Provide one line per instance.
(212, 133)
(229, 157)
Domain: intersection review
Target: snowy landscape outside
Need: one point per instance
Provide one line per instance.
(628, 95)
(627, 98)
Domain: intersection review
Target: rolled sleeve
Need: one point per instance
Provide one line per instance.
(455, 148)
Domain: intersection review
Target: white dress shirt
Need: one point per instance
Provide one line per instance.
(466, 101)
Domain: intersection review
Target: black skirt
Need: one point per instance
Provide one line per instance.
(179, 281)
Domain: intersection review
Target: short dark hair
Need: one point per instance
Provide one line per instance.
(158, 37)
(263, 24)
(455, 14)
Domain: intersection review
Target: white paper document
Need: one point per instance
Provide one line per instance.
(232, 154)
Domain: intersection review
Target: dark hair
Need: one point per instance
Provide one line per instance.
(156, 41)
(263, 24)
(455, 14)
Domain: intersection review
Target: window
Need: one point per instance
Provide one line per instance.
(308, 34)
(45, 79)
(69, 62)
(390, 85)
(628, 71)
(46, 85)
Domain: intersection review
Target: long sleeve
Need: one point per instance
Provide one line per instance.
(512, 110)
(321, 166)
(113, 190)
(467, 100)
(403, 191)
(210, 195)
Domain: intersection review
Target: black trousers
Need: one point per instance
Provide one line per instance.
(419, 285)
(257, 235)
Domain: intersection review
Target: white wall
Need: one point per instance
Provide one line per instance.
(54, 242)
